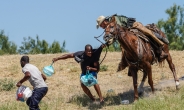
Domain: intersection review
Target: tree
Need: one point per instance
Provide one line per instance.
(44, 47)
(63, 47)
(115, 47)
(55, 47)
(174, 27)
(36, 46)
(26, 46)
(6, 46)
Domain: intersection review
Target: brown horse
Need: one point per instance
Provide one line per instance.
(139, 54)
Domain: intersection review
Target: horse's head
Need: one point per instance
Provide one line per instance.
(111, 31)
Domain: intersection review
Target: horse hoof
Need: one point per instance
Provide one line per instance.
(135, 101)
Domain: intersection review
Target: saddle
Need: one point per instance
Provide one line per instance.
(147, 39)
(139, 34)
(157, 32)
(153, 28)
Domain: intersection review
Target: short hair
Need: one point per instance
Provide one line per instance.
(25, 59)
(88, 45)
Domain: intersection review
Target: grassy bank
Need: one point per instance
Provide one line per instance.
(65, 92)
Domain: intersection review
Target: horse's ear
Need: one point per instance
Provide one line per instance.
(113, 19)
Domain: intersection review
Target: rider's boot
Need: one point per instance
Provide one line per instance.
(163, 55)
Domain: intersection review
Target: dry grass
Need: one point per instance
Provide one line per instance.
(64, 87)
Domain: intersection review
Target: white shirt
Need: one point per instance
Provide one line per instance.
(36, 79)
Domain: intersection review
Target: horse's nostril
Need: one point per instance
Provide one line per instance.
(106, 38)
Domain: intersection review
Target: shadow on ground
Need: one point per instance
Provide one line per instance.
(111, 99)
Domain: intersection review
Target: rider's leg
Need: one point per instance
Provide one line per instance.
(146, 31)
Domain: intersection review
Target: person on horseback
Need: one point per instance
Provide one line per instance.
(103, 22)
(89, 61)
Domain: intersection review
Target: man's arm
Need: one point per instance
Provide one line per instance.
(98, 52)
(96, 67)
(63, 57)
(44, 77)
(25, 78)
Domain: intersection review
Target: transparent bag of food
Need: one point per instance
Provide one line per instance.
(23, 93)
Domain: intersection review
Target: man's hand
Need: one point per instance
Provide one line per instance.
(103, 45)
(91, 68)
(18, 84)
(25, 78)
(54, 59)
(88, 68)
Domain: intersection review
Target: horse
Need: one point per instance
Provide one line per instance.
(138, 52)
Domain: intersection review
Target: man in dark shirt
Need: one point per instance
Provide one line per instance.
(89, 60)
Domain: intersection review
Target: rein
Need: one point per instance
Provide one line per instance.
(103, 44)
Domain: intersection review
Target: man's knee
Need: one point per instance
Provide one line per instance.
(84, 88)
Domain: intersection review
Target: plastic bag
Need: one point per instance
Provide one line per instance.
(23, 93)
(48, 70)
(88, 79)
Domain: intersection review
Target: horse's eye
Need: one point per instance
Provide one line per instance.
(111, 26)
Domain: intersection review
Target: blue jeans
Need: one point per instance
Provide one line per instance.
(36, 97)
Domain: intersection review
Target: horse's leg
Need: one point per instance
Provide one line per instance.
(133, 71)
(148, 70)
(123, 64)
(172, 67)
(141, 89)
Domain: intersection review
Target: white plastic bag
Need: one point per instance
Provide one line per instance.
(23, 93)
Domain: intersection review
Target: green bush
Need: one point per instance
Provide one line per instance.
(103, 68)
(7, 84)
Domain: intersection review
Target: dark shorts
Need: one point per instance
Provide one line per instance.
(93, 73)
(36, 97)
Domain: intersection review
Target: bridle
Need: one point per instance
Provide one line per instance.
(108, 38)
(113, 32)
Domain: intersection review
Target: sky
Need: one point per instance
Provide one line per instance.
(72, 21)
